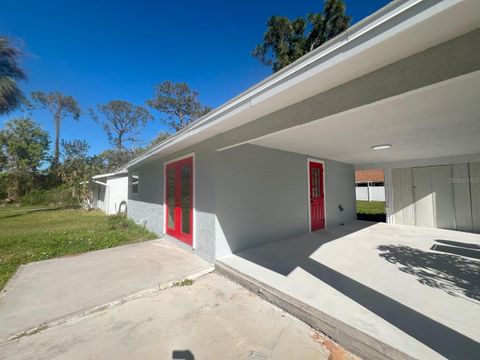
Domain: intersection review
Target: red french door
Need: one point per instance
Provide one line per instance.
(179, 199)
(317, 198)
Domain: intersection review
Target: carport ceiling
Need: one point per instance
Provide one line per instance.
(438, 121)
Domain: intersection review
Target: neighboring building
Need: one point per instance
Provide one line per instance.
(110, 192)
(369, 176)
(369, 185)
(398, 91)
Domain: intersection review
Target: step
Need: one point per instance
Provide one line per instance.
(350, 338)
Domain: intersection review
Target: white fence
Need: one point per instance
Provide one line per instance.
(370, 193)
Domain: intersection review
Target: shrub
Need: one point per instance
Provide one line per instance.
(119, 221)
(60, 195)
(3, 186)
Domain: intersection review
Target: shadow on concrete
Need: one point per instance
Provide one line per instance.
(182, 355)
(475, 254)
(456, 275)
(286, 256)
(372, 217)
(459, 244)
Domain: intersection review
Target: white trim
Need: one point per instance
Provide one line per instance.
(194, 200)
(113, 174)
(309, 160)
(99, 182)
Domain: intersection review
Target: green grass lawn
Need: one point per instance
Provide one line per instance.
(372, 211)
(31, 235)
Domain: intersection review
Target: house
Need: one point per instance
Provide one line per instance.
(369, 185)
(398, 91)
(264, 185)
(110, 192)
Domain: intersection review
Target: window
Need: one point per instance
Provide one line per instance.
(135, 180)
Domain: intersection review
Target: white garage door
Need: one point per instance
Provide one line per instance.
(446, 196)
(433, 196)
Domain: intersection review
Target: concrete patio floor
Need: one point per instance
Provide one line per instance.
(380, 290)
(45, 291)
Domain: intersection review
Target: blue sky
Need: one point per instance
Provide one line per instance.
(105, 50)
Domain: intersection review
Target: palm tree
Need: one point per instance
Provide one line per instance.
(10, 95)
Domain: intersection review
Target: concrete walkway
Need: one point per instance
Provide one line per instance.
(50, 290)
(382, 291)
(212, 319)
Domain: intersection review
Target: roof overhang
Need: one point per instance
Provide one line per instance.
(401, 29)
(440, 121)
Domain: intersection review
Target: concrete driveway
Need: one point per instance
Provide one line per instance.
(127, 303)
(384, 291)
(50, 290)
(212, 319)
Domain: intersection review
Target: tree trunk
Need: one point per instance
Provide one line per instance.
(56, 153)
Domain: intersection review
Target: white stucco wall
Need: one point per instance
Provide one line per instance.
(117, 191)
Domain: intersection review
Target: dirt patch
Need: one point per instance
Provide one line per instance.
(335, 350)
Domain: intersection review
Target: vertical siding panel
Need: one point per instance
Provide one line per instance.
(423, 195)
(475, 193)
(442, 190)
(403, 205)
(461, 190)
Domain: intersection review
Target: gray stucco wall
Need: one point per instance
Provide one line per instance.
(262, 196)
(244, 197)
(147, 208)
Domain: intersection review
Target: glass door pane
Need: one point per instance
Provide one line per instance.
(186, 197)
(171, 197)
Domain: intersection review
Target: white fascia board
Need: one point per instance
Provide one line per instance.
(119, 172)
(101, 176)
(297, 71)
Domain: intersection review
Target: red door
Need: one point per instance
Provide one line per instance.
(317, 204)
(179, 199)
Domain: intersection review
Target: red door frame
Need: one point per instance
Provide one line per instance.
(316, 195)
(176, 231)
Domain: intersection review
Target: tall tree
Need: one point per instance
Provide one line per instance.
(60, 106)
(325, 26)
(178, 103)
(158, 139)
(77, 167)
(23, 149)
(113, 159)
(122, 121)
(287, 40)
(10, 95)
(283, 42)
